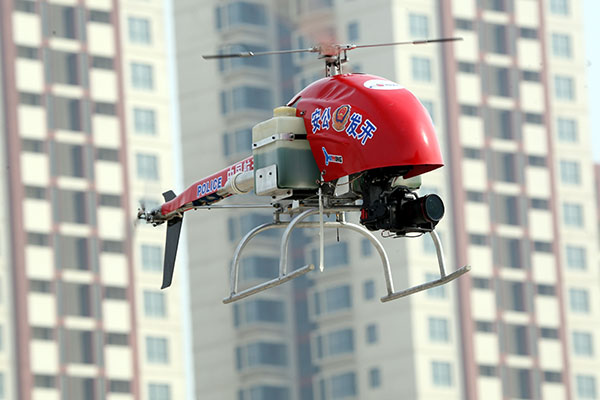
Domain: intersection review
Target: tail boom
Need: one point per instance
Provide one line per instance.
(238, 178)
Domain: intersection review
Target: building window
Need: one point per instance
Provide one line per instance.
(505, 167)
(561, 45)
(528, 33)
(487, 370)
(421, 69)
(340, 342)
(336, 255)
(251, 98)
(441, 373)
(147, 166)
(157, 350)
(519, 383)
(154, 304)
(374, 377)
(513, 296)
(117, 339)
(99, 16)
(259, 267)
(549, 333)
(40, 286)
(144, 121)
(103, 63)
(567, 130)
(499, 81)
(508, 210)
(366, 247)
(553, 376)
(335, 299)
(79, 347)
(61, 21)
(546, 290)
(419, 25)
(564, 88)
(139, 30)
(438, 330)
(142, 76)
(576, 257)
(353, 32)
(517, 339)
(119, 386)
(508, 252)
(428, 104)
(31, 53)
(103, 108)
(343, 385)
(151, 257)
(573, 215)
(71, 206)
(25, 6)
(240, 13)
(369, 289)
(159, 391)
(481, 283)
(579, 301)
(262, 310)
(66, 113)
(583, 344)
(265, 392)
(263, 353)
(559, 7)
(531, 76)
(463, 24)
(63, 67)
(371, 333)
(586, 386)
(495, 5)
(467, 67)
(569, 172)
(496, 39)
(40, 381)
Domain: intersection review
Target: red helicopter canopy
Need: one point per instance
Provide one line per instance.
(358, 122)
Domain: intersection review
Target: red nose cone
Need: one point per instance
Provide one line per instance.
(357, 122)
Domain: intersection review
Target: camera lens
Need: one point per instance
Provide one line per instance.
(433, 207)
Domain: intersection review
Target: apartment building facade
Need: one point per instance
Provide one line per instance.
(509, 106)
(86, 138)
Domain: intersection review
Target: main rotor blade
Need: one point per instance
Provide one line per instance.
(259, 53)
(423, 41)
(327, 50)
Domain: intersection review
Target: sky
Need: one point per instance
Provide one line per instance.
(591, 13)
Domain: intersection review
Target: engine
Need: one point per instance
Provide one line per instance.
(391, 206)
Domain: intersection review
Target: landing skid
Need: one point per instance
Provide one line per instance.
(298, 221)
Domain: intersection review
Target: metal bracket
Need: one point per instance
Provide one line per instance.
(266, 182)
(273, 138)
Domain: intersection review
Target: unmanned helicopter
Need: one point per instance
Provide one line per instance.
(347, 143)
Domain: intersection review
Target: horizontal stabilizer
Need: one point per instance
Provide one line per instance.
(169, 195)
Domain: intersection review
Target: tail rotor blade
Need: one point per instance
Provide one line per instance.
(173, 233)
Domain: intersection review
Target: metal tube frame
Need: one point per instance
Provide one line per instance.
(298, 222)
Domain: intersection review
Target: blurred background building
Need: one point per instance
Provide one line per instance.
(509, 104)
(85, 138)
